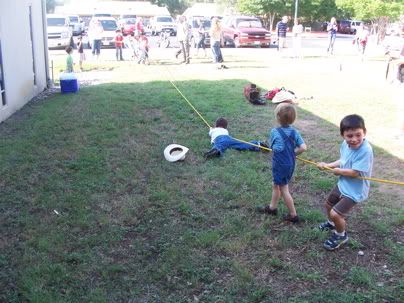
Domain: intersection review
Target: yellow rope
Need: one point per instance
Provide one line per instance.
(268, 149)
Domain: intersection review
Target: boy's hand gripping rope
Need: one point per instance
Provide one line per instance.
(268, 149)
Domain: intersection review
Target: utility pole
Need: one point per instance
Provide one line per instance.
(296, 4)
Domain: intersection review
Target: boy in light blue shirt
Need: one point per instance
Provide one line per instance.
(356, 161)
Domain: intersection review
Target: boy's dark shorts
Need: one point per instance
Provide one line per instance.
(339, 203)
(282, 174)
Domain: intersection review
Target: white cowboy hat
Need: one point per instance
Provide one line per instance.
(284, 96)
(175, 152)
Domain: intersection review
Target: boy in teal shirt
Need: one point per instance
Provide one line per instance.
(356, 160)
(69, 59)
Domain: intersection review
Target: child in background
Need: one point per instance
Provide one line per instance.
(286, 143)
(69, 60)
(221, 141)
(143, 50)
(118, 45)
(356, 159)
(80, 49)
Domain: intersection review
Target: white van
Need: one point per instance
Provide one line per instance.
(60, 33)
(355, 25)
(109, 26)
(162, 23)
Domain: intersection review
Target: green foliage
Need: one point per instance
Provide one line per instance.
(371, 9)
(175, 7)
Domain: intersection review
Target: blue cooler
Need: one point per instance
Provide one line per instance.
(68, 83)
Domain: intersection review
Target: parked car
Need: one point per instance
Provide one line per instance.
(245, 31)
(344, 26)
(60, 33)
(160, 23)
(97, 15)
(355, 25)
(193, 22)
(127, 25)
(77, 24)
(108, 36)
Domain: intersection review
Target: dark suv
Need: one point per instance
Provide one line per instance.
(344, 26)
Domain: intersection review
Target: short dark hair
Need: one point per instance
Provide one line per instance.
(285, 113)
(69, 49)
(221, 122)
(351, 122)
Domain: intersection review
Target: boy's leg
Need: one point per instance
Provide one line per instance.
(338, 220)
(276, 194)
(287, 197)
(235, 144)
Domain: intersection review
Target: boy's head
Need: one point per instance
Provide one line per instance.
(79, 38)
(221, 122)
(69, 49)
(118, 31)
(353, 130)
(285, 113)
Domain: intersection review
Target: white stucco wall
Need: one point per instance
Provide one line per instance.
(17, 53)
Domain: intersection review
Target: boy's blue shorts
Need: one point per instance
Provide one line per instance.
(282, 174)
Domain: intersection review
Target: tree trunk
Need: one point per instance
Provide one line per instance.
(381, 28)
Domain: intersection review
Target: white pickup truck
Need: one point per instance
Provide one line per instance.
(60, 33)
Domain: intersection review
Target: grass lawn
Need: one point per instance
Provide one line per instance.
(91, 211)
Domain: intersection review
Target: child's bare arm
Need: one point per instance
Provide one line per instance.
(323, 165)
(345, 172)
(300, 149)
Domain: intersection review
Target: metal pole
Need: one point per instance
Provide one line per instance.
(296, 3)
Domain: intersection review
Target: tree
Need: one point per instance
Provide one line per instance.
(267, 9)
(379, 12)
(175, 7)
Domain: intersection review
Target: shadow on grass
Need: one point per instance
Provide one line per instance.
(91, 211)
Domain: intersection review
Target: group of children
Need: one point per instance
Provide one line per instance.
(356, 160)
(138, 46)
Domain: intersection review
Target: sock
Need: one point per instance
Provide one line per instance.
(332, 223)
(340, 234)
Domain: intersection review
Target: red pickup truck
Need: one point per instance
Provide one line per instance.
(244, 31)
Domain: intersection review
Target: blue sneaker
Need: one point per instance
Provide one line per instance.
(326, 226)
(335, 241)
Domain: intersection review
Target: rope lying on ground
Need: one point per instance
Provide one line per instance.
(268, 149)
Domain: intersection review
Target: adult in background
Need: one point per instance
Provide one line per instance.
(297, 38)
(281, 29)
(139, 30)
(332, 29)
(201, 37)
(97, 37)
(183, 38)
(215, 37)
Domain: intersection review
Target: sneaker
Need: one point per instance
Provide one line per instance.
(326, 226)
(335, 241)
(291, 219)
(267, 210)
(212, 153)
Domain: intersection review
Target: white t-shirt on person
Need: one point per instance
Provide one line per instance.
(214, 132)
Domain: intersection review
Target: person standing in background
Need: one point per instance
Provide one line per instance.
(80, 49)
(297, 38)
(281, 29)
(332, 29)
(183, 39)
(118, 45)
(215, 37)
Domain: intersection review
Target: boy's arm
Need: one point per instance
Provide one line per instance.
(300, 149)
(348, 172)
(323, 165)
